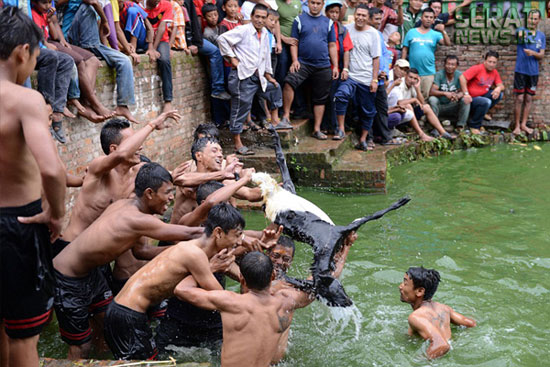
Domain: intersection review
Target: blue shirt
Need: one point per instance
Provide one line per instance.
(385, 59)
(68, 15)
(313, 35)
(528, 65)
(422, 50)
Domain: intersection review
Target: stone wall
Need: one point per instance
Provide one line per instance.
(168, 147)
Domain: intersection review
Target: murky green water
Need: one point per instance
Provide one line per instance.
(481, 218)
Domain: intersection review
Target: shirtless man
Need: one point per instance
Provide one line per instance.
(29, 166)
(111, 177)
(431, 320)
(82, 290)
(208, 156)
(281, 256)
(126, 326)
(254, 322)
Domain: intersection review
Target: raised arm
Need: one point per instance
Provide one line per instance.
(130, 146)
(438, 345)
(193, 179)
(198, 216)
(459, 319)
(153, 227)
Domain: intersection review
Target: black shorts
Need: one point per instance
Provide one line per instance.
(58, 246)
(524, 83)
(26, 280)
(320, 78)
(128, 334)
(76, 300)
(153, 312)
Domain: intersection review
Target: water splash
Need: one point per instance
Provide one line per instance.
(335, 320)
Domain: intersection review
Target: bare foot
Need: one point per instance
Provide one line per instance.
(68, 113)
(167, 107)
(487, 117)
(475, 131)
(57, 116)
(426, 138)
(528, 130)
(516, 131)
(103, 111)
(125, 112)
(86, 112)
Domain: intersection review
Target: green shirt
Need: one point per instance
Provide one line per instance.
(287, 13)
(409, 20)
(444, 85)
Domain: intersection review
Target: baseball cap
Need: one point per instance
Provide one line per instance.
(333, 2)
(402, 63)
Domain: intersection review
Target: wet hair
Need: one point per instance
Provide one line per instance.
(205, 189)
(151, 176)
(362, 6)
(209, 130)
(207, 8)
(258, 7)
(428, 10)
(110, 133)
(491, 53)
(412, 71)
(256, 269)
(451, 57)
(424, 278)
(374, 11)
(143, 158)
(17, 28)
(225, 216)
(275, 13)
(435, 1)
(200, 144)
(287, 242)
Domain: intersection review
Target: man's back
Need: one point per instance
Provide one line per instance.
(252, 329)
(439, 316)
(19, 174)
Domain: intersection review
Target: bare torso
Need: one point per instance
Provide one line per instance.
(252, 333)
(103, 241)
(96, 194)
(20, 181)
(127, 265)
(156, 280)
(438, 314)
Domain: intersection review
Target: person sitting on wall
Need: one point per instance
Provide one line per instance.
(137, 32)
(431, 320)
(446, 95)
(530, 50)
(478, 80)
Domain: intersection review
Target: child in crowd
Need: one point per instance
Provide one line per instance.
(177, 30)
(393, 41)
(231, 20)
(333, 9)
(212, 29)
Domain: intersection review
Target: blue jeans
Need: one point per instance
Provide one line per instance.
(84, 32)
(216, 65)
(54, 75)
(165, 70)
(479, 107)
(74, 89)
(364, 99)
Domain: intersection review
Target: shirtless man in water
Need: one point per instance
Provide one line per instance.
(431, 320)
(81, 287)
(127, 331)
(29, 166)
(254, 322)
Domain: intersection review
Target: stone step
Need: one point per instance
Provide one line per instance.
(262, 138)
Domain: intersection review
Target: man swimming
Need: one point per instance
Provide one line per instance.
(126, 325)
(29, 167)
(82, 290)
(254, 322)
(431, 320)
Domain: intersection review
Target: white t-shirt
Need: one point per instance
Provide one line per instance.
(366, 47)
(246, 8)
(400, 93)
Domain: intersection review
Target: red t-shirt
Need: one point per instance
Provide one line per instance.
(41, 21)
(229, 25)
(480, 81)
(162, 12)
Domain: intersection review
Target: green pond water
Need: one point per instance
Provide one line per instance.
(479, 217)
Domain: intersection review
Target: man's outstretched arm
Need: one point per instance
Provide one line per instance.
(459, 319)
(188, 291)
(438, 345)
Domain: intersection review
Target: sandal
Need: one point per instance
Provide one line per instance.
(319, 135)
(370, 145)
(339, 135)
(362, 145)
(57, 131)
(395, 141)
(253, 126)
(244, 151)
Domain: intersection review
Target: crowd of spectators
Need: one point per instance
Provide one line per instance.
(365, 65)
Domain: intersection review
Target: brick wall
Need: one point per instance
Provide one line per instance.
(504, 111)
(168, 147)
